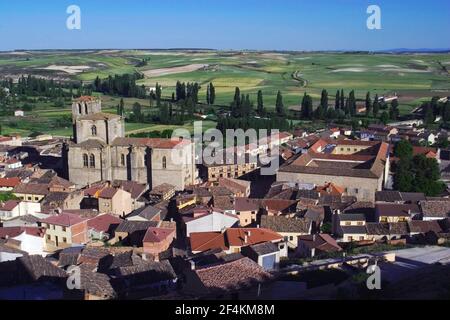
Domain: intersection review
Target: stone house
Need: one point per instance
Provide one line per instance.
(64, 230)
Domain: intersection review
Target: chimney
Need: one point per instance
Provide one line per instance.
(314, 238)
(192, 264)
(246, 239)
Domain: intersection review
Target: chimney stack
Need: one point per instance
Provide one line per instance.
(192, 264)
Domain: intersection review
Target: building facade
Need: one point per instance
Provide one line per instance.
(100, 151)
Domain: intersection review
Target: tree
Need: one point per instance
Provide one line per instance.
(342, 104)
(260, 104)
(137, 112)
(352, 103)
(393, 111)
(429, 115)
(376, 106)
(384, 117)
(306, 110)
(212, 93)
(368, 104)
(403, 150)
(121, 108)
(324, 100)
(416, 173)
(279, 106)
(337, 101)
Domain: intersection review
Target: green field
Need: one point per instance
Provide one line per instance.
(414, 77)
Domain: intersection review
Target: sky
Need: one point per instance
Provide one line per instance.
(302, 25)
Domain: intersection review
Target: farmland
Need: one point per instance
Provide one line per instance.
(414, 77)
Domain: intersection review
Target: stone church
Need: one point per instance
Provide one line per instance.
(100, 151)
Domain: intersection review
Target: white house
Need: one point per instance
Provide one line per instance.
(211, 222)
(19, 113)
(32, 241)
(13, 208)
(13, 164)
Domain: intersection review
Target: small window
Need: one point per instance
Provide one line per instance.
(94, 130)
(122, 159)
(65, 240)
(85, 160)
(29, 198)
(164, 163)
(64, 229)
(92, 161)
(48, 237)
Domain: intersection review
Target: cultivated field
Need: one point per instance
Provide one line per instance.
(414, 77)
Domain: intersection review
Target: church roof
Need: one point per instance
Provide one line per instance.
(91, 143)
(99, 116)
(156, 143)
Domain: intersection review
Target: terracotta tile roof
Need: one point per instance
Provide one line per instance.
(278, 205)
(104, 222)
(285, 225)
(246, 204)
(203, 241)
(396, 210)
(32, 188)
(108, 193)
(435, 208)
(424, 226)
(232, 276)
(135, 226)
(236, 236)
(28, 269)
(162, 189)
(322, 242)
(64, 219)
(157, 234)
(12, 232)
(136, 189)
(331, 189)
(155, 143)
(9, 205)
(9, 182)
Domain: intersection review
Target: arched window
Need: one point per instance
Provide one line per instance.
(85, 161)
(164, 163)
(79, 108)
(122, 159)
(86, 108)
(94, 130)
(92, 161)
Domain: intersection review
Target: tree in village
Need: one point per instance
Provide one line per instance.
(306, 110)
(368, 105)
(324, 100)
(393, 111)
(376, 106)
(337, 102)
(260, 104)
(279, 106)
(416, 173)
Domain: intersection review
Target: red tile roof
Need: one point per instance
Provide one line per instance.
(108, 193)
(235, 275)
(236, 237)
(64, 219)
(9, 182)
(9, 205)
(155, 234)
(103, 222)
(12, 232)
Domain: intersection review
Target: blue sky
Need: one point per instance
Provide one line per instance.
(225, 24)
